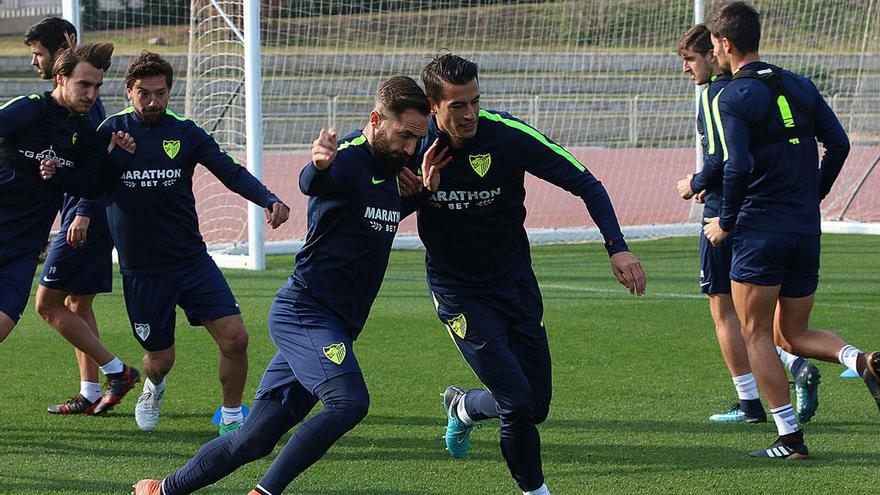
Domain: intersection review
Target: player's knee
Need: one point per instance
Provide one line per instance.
(47, 307)
(235, 344)
(347, 399)
(350, 411)
(158, 363)
(541, 412)
(250, 447)
(518, 410)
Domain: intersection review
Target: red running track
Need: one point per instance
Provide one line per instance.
(641, 183)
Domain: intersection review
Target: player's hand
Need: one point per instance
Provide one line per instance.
(77, 232)
(629, 272)
(432, 163)
(714, 232)
(684, 187)
(48, 168)
(122, 139)
(700, 197)
(277, 215)
(409, 182)
(324, 149)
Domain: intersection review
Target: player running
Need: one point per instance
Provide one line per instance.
(354, 209)
(163, 259)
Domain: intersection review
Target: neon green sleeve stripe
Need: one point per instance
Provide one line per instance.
(178, 117)
(32, 96)
(354, 142)
(707, 119)
(535, 134)
(124, 111)
(787, 117)
(717, 116)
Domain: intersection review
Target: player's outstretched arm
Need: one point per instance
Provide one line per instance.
(316, 178)
(629, 272)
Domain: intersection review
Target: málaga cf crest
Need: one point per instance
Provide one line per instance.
(480, 163)
(458, 325)
(171, 148)
(335, 352)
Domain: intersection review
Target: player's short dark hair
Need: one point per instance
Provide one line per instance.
(97, 54)
(696, 39)
(739, 22)
(148, 64)
(450, 69)
(401, 93)
(51, 32)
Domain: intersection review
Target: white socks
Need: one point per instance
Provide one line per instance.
(746, 387)
(114, 366)
(461, 412)
(90, 390)
(784, 418)
(786, 358)
(540, 491)
(149, 386)
(232, 415)
(848, 356)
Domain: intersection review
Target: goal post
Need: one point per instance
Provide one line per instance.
(599, 77)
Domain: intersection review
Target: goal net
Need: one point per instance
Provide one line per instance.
(599, 77)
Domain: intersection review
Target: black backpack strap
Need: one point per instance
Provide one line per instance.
(781, 100)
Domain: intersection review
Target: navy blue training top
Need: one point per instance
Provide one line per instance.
(709, 179)
(150, 204)
(32, 128)
(777, 187)
(472, 227)
(73, 206)
(353, 214)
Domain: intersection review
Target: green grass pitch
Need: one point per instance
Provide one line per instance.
(634, 381)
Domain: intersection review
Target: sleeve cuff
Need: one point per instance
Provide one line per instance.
(615, 246)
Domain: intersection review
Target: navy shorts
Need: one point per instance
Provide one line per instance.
(502, 337)
(150, 300)
(84, 270)
(773, 258)
(313, 345)
(715, 266)
(16, 276)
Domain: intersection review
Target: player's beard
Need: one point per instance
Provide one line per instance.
(386, 161)
(151, 115)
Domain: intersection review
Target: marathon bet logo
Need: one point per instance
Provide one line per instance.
(150, 178)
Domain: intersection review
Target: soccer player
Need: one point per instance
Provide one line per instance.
(768, 122)
(479, 267)
(35, 128)
(163, 259)
(699, 62)
(79, 263)
(354, 209)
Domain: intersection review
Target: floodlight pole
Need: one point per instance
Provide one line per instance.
(253, 127)
(70, 11)
(696, 213)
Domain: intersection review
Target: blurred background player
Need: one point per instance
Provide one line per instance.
(769, 120)
(695, 49)
(163, 259)
(79, 263)
(354, 210)
(35, 128)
